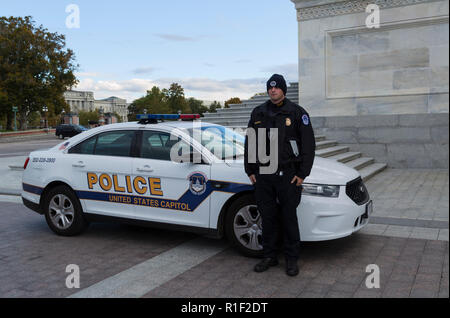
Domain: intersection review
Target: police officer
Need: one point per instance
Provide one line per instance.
(278, 194)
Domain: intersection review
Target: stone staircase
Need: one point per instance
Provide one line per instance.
(237, 116)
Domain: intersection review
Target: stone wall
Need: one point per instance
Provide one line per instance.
(346, 68)
(401, 141)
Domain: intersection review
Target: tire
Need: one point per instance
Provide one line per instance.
(68, 222)
(243, 226)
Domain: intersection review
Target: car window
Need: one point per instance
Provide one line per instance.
(114, 143)
(223, 142)
(157, 145)
(85, 148)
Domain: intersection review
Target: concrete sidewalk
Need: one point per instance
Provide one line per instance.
(410, 203)
(11, 178)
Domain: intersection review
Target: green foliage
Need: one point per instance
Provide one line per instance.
(175, 99)
(234, 100)
(155, 102)
(196, 106)
(35, 70)
(85, 117)
(213, 107)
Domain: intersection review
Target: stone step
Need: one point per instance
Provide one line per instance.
(371, 170)
(325, 144)
(327, 152)
(229, 113)
(319, 137)
(346, 156)
(360, 163)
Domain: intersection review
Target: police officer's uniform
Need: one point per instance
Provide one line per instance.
(274, 193)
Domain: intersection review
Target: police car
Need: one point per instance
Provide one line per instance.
(182, 175)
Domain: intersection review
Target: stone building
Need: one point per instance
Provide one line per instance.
(84, 101)
(346, 68)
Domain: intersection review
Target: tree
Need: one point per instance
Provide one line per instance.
(213, 107)
(234, 100)
(85, 117)
(175, 99)
(155, 102)
(197, 106)
(35, 70)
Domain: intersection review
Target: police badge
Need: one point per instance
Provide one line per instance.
(197, 183)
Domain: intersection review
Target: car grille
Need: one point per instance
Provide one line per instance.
(357, 191)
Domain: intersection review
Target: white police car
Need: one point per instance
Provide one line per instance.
(127, 172)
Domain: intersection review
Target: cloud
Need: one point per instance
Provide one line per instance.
(288, 70)
(175, 37)
(144, 70)
(200, 88)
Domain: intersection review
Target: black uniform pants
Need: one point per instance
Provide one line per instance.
(277, 201)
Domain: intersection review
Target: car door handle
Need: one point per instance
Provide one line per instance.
(79, 164)
(145, 168)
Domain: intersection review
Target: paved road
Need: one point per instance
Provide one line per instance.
(122, 261)
(21, 147)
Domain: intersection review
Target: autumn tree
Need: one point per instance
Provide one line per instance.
(234, 100)
(35, 69)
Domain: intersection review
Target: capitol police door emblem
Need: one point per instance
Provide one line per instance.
(197, 183)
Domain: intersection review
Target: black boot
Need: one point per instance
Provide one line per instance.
(291, 267)
(265, 264)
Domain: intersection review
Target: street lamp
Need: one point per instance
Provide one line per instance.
(45, 110)
(62, 116)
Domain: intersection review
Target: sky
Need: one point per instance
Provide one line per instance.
(214, 49)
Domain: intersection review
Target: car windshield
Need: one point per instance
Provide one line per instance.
(223, 142)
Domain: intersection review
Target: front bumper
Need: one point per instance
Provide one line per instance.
(322, 219)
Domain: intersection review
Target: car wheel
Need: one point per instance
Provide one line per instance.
(244, 226)
(63, 212)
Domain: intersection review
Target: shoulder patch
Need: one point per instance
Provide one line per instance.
(305, 120)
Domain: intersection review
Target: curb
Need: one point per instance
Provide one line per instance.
(26, 133)
(10, 192)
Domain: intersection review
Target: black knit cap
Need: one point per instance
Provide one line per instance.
(277, 81)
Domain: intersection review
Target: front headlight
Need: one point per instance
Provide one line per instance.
(323, 190)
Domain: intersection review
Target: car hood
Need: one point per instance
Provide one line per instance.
(324, 171)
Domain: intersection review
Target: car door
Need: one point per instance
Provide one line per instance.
(101, 170)
(169, 192)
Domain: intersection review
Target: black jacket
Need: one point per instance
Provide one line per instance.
(293, 123)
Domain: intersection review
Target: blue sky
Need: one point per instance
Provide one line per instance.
(214, 49)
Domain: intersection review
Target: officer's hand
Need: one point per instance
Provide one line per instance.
(252, 178)
(297, 180)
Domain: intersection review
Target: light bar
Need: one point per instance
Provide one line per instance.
(167, 116)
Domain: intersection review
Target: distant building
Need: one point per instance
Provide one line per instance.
(84, 101)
